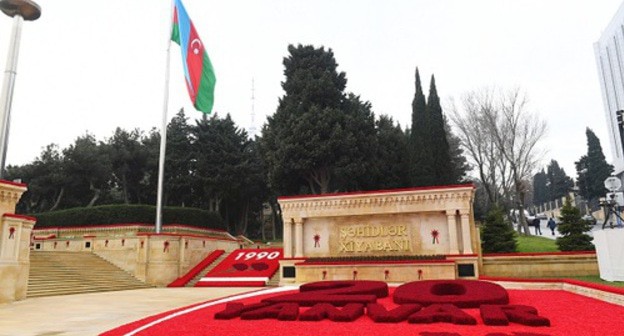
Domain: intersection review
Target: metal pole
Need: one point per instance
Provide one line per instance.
(163, 133)
(7, 89)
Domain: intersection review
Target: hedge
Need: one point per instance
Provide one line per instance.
(119, 214)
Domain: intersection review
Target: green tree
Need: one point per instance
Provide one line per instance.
(391, 162)
(229, 174)
(459, 163)
(46, 181)
(592, 169)
(87, 167)
(356, 167)
(573, 230)
(421, 163)
(148, 186)
(218, 162)
(432, 161)
(310, 143)
(254, 192)
(541, 192)
(559, 183)
(497, 234)
(437, 139)
(129, 162)
(178, 158)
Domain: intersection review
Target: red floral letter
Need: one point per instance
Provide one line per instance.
(442, 313)
(502, 314)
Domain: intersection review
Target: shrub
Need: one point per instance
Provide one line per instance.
(116, 214)
(498, 234)
(572, 229)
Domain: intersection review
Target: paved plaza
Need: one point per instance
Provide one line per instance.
(94, 313)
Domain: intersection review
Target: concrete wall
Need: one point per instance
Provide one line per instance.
(397, 272)
(156, 259)
(540, 265)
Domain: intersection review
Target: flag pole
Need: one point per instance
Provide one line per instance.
(163, 130)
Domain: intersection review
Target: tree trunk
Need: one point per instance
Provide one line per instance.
(245, 219)
(311, 185)
(96, 195)
(58, 199)
(262, 229)
(275, 219)
(523, 225)
(227, 220)
(125, 189)
(320, 177)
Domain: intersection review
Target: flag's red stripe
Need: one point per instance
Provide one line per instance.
(195, 60)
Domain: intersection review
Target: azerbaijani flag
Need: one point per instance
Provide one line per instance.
(198, 71)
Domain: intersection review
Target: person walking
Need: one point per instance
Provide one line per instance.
(536, 224)
(552, 225)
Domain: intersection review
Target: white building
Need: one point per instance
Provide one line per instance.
(609, 51)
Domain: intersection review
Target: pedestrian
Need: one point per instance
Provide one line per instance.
(536, 224)
(552, 225)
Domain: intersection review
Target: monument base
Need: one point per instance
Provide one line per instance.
(300, 270)
(610, 253)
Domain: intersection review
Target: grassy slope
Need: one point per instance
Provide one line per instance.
(536, 244)
(541, 244)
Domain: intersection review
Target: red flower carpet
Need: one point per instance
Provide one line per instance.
(568, 313)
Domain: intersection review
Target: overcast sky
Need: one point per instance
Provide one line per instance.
(98, 64)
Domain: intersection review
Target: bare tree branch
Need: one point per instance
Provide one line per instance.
(501, 139)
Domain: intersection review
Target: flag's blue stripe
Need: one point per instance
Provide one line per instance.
(184, 26)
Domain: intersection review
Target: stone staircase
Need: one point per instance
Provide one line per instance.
(275, 279)
(206, 270)
(60, 273)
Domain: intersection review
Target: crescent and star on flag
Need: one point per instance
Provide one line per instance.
(197, 46)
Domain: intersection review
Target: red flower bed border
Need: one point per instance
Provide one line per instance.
(604, 288)
(572, 314)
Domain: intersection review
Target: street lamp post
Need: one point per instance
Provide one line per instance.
(19, 10)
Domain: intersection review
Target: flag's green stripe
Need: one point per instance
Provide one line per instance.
(175, 33)
(205, 92)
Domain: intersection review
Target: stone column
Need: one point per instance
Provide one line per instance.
(287, 238)
(465, 226)
(299, 238)
(452, 229)
(14, 244)
(162, 262)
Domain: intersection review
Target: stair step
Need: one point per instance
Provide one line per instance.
(81, 291)
(206, 270)
(63, 273)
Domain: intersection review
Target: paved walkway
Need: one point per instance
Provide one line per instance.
(94, 313)
(546, 233)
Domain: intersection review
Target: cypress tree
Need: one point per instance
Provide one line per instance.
(437, 141)
(573, 229)
(560, 183)
(592, 169)
(540, 188)
(421, 163)
(497, 234)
